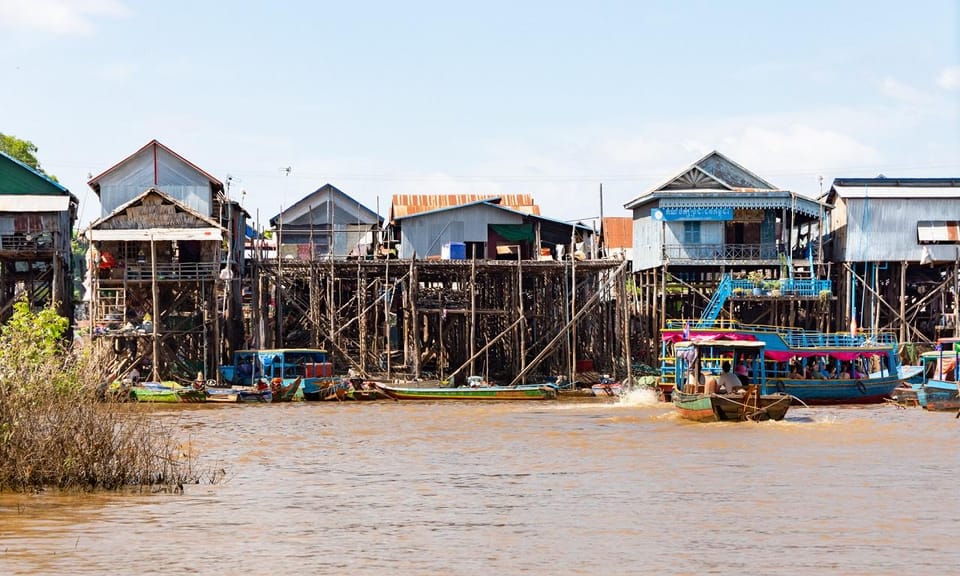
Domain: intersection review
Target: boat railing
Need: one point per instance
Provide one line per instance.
(798, 337)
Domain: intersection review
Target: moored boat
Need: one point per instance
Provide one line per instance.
(310, 367)
(703, 399)
(242, 394)
(938, 387)
(521, 392)
(166, 392)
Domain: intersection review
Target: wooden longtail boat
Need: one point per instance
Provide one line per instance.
(166, 392)
(239, 395)
(348, 389)
(840, 362)
(702, 403)
(524, 392)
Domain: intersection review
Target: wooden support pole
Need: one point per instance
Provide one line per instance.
(156, 310)
(473, 308)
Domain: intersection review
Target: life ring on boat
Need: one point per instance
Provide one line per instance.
(861, 387)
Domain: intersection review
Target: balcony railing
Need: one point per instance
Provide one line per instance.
(27, 242)
(169, 271)
(713, 252)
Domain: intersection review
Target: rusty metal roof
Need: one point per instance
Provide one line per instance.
(618, 232)
(407, 204)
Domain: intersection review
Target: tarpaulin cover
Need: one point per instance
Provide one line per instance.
(515, 232)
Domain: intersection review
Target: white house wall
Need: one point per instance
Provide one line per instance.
(425, 234)
(646, 240)
(649, 237)
(174, 177)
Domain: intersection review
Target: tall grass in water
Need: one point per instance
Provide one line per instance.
(56, 432)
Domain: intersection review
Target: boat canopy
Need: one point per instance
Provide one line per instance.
(721, 342)
(843, 355)
(701, 338)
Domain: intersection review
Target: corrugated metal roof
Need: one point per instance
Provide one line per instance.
(33, 203)
(618, 232)
(712, 172)
(938, 231)
(143, 234)
(95, 181)
(897, 191)
(19, 178)
(493, 204)
(407, 204)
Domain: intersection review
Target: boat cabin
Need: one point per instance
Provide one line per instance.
(249, 366)
(696, 366)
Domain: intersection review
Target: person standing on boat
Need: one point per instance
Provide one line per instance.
(729, 383)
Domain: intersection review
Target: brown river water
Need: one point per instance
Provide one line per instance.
(534, 488)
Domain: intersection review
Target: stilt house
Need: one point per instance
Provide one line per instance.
(699, 235)
(897, 242)
(326, 224)
(160, 257)
(36, 220)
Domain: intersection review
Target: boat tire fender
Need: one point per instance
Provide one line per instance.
(861, 387)
(779, 386)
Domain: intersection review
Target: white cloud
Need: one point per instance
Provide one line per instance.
(905, 93)
(68, 17)
(949, 78)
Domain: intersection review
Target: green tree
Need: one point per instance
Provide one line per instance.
(24, 151)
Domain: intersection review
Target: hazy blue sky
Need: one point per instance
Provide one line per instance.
(546, 98)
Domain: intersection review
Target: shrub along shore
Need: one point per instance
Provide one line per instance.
(55, 432)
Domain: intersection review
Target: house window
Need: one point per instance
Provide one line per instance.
(691, 232)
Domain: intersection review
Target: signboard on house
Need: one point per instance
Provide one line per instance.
(673, 214)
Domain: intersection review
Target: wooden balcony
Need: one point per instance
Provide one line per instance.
(184, 271)
(27, 243)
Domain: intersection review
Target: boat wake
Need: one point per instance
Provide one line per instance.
(640, 397)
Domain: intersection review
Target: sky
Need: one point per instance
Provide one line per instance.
(553, 99)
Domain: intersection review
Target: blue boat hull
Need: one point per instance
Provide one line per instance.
(821, 392)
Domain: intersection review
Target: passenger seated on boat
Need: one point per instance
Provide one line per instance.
(728, 382)
(795, 373)
(844, 371)
(742, 374)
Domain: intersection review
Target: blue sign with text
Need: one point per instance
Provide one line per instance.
(674, 214)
